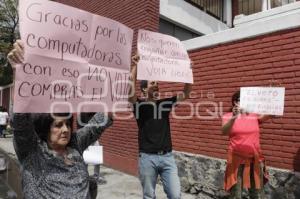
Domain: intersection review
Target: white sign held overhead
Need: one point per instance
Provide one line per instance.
(263, 100)
(162, 58)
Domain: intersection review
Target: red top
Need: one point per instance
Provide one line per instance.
(244, 135)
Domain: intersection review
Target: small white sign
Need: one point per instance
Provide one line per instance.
(263, 100)
(93, 155)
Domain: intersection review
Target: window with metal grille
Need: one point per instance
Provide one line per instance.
(277, 3)
(214, 8)
(248, 7)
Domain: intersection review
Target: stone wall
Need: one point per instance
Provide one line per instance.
(203, 176)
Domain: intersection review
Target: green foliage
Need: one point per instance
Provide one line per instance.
(9, 20)
(6, 73)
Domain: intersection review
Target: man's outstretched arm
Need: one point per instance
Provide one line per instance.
(132, 92)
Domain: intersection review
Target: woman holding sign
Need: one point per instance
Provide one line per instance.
(49, 154)
(245, 162)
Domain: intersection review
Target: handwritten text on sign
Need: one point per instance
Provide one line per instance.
(162, 58)
(263, 100)
(75, 61)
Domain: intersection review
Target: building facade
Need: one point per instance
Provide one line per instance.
(232, 44)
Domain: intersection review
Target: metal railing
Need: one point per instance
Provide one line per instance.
(214, 8)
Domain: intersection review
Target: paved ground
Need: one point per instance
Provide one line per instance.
(119, 185)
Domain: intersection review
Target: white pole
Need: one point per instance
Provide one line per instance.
(264, 5)
(269, 5)
(229, 12)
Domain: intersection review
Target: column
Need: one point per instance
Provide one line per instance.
(228, 8)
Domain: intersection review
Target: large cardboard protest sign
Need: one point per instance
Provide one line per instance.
(162, 58)
(263, 100)
(75, 61)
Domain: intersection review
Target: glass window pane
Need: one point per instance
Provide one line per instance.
(166, 27)
(182, 34)
(169, 28)
(277, 3)
(248, 7)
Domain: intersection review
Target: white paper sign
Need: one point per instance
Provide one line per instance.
(162, 58)
(93, 155)
(75, 61)
(263, 100)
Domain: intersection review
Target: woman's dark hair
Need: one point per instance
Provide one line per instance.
(42, 123)
(143, 84)
(235, 98)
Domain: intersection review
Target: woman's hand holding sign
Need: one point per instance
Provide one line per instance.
(16, 56)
